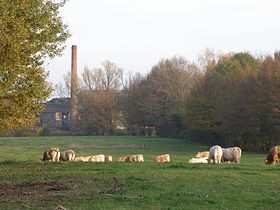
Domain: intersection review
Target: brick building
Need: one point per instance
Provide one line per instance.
(57, 114)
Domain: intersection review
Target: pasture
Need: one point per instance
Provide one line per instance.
(28, 183)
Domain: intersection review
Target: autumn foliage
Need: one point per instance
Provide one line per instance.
(30, 31)
(231, 99)
(237, 102)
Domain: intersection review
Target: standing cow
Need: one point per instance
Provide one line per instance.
(273, 155)
(231, 154)
(215, 154)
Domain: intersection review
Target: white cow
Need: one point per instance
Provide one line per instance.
(199, 160)
(97, 158)
(215, 154)
(82, 158)
(231, 154)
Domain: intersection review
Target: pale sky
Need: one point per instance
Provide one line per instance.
(136, 34)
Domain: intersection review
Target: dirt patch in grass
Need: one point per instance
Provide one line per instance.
(45, 192)
(37, 191)
(42, 191)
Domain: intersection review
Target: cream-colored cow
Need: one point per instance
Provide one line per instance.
(82, 158)
(202, 154)
(123, 159)
(136, 158)
(68, 155)
(52, 154)
(132, 158)
(199, 160)
(162, 158)
(231, 154)
(97, 158)
(108, 158)
(215, 154)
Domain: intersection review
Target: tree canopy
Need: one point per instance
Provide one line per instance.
(230, 99)
(30, 31)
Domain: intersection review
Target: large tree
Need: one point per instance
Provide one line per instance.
(255, 116)
(160, 97)
(212, 107)
(98, 99)
(30, 31)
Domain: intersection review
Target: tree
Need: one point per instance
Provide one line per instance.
(212, 105)
(107, 78)
(30, 31)
(131, 104)
(160, 96)
(64, 90)
(99, 112)
(256, 117)
(99, 99)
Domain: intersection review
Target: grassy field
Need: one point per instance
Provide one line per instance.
(28, 183)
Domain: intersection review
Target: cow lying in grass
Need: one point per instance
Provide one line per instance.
(162, 158)
(202, 154)
(108, 158)
(68, 155)
(51, 154)
(273, 155)
(136, 158)
(122, 159)
(199, 160)
(97, 158)
(82, 158)
(132, 158)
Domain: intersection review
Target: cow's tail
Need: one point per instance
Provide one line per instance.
(239, 152)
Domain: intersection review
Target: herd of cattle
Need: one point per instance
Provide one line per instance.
(54, 154)
(216, 154)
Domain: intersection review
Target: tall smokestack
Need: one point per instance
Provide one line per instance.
(74, 98)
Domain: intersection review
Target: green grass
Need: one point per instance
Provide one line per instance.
(176, 185)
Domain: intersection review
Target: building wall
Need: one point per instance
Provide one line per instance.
(59, 120)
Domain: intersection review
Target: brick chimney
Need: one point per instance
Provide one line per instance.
(74, 97)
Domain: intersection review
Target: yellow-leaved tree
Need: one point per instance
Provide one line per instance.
(30, 31)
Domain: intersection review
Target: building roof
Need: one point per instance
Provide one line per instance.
(58, 105)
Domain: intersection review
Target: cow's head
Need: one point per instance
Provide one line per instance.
(198, 155)
(269, 161)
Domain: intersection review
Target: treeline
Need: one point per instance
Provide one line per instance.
(226, 99)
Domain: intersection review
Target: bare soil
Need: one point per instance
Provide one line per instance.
(38, 191)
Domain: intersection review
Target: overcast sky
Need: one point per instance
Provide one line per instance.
(136, 34)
